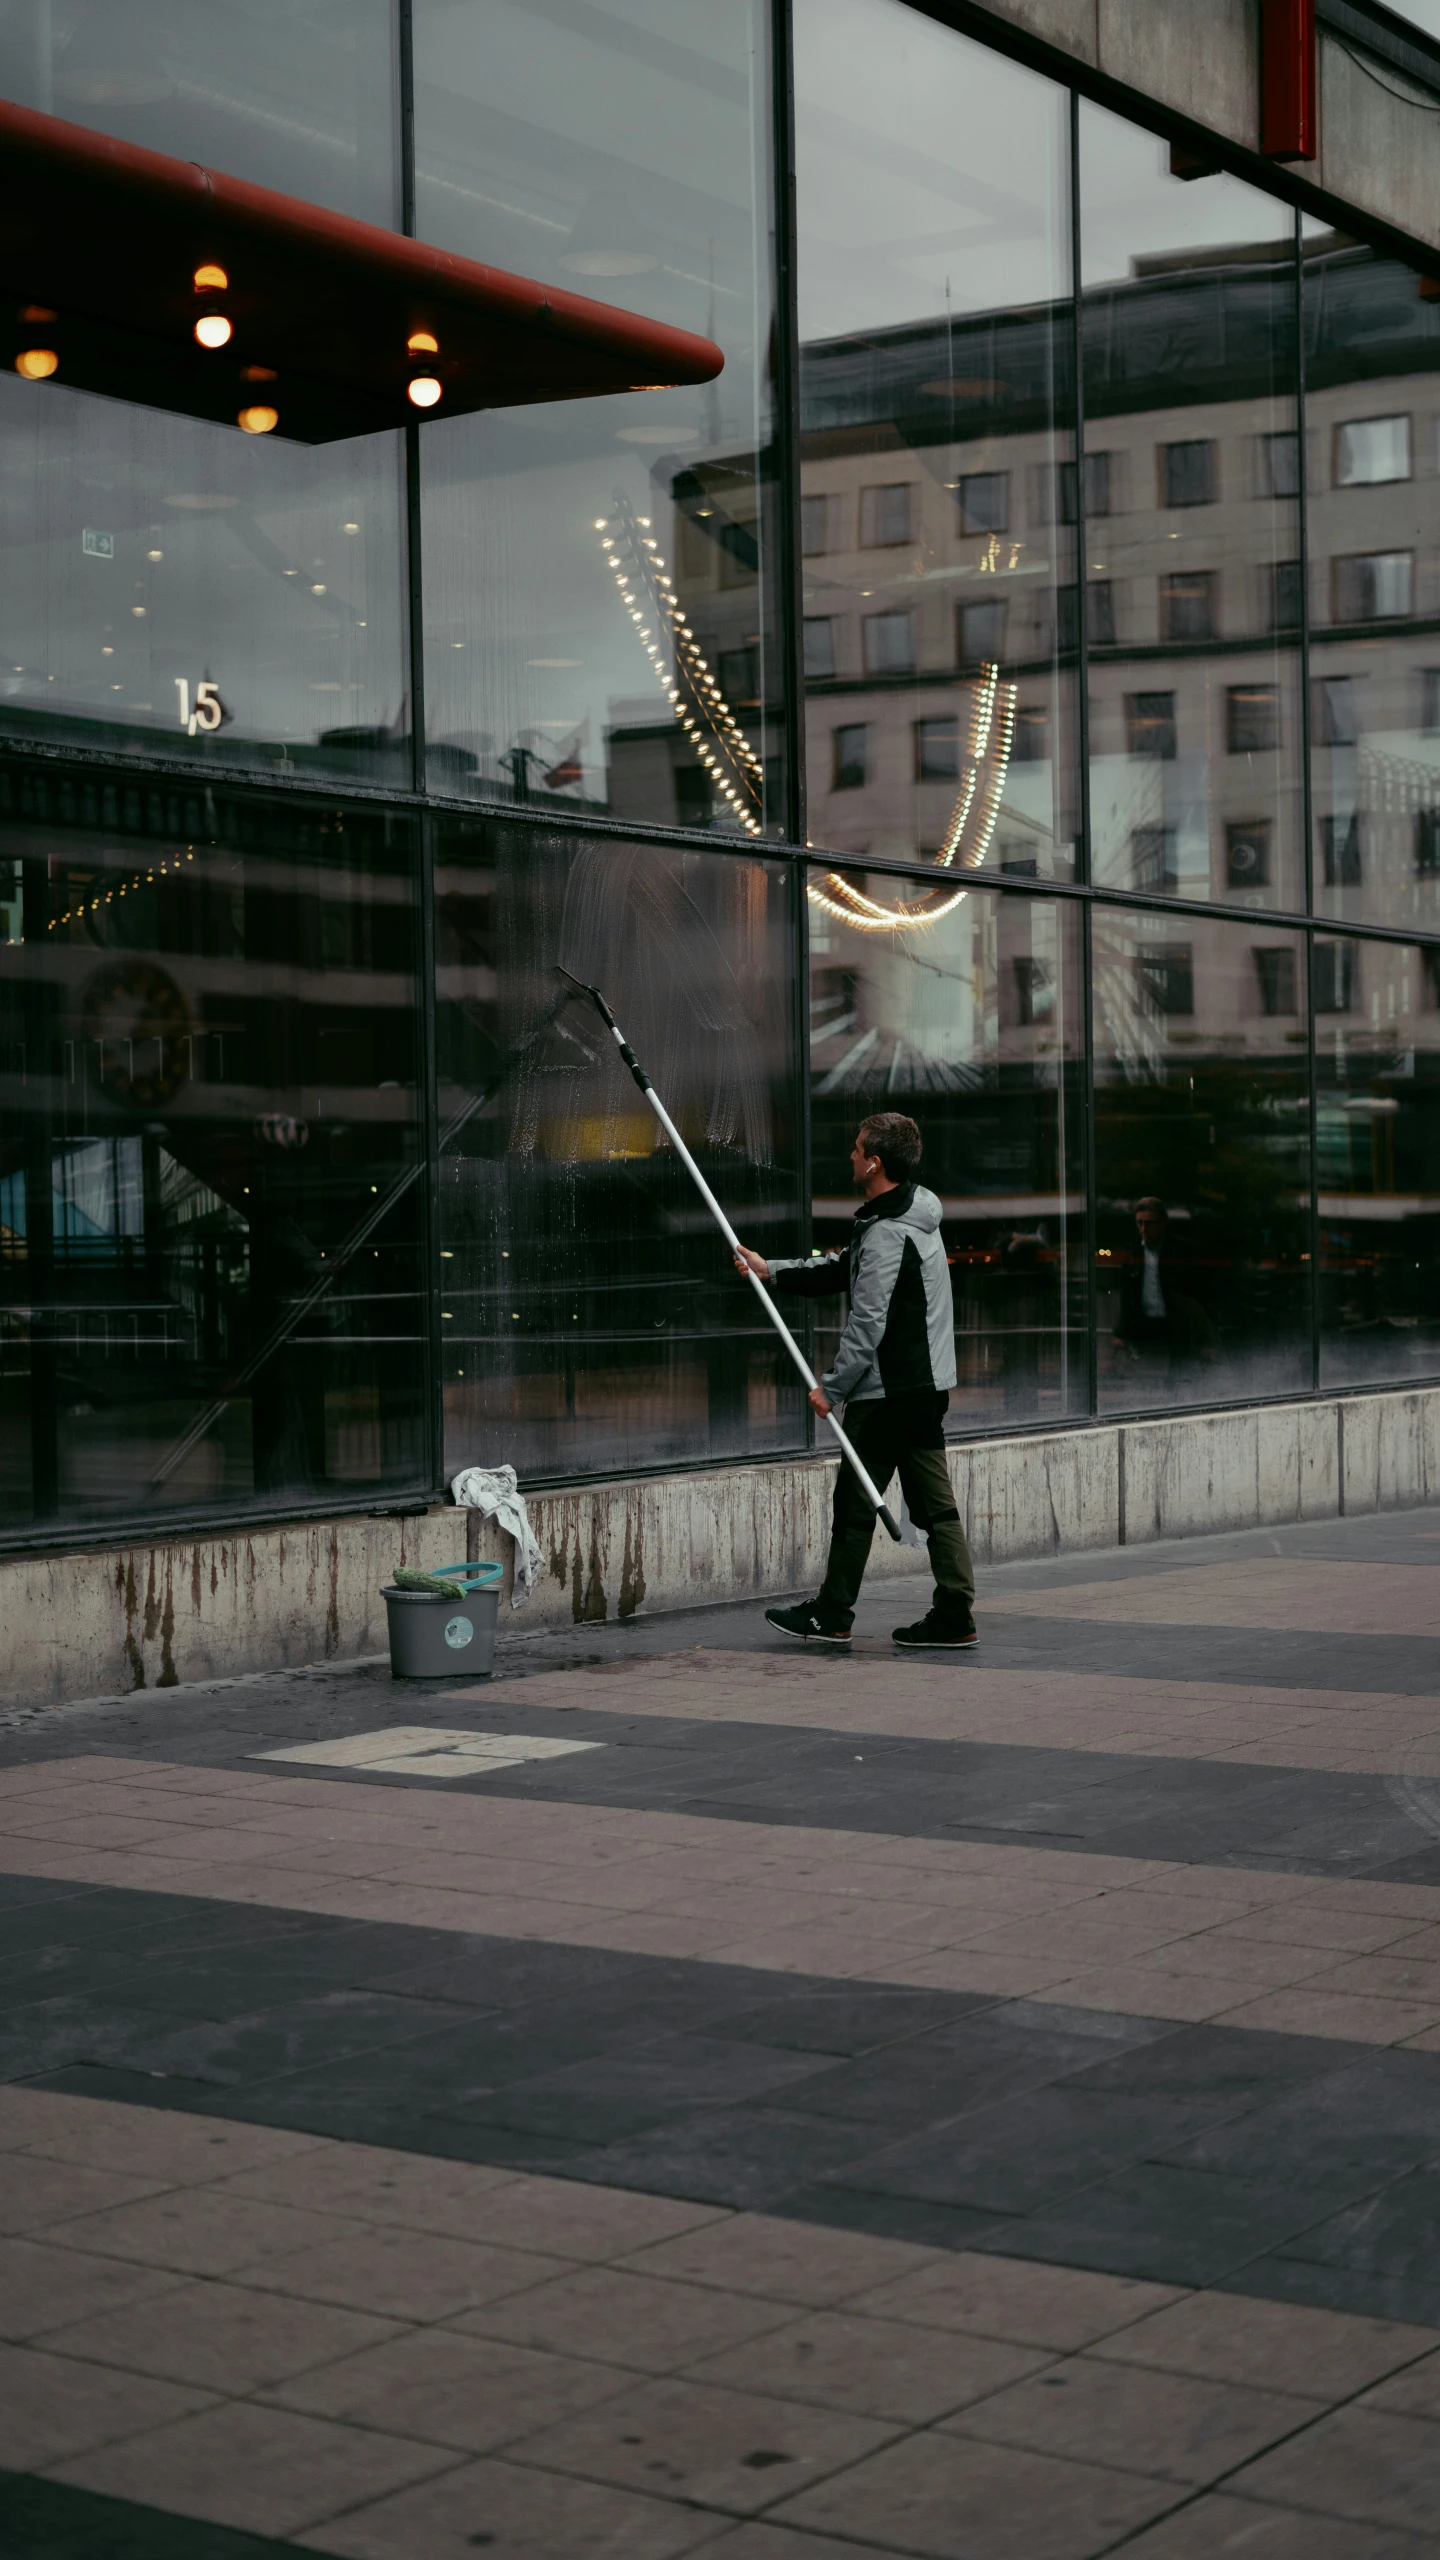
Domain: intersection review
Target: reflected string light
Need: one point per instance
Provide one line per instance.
(968, 836)
(103, 897)
(647, 594)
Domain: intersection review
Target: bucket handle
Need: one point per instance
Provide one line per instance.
(473, 1577)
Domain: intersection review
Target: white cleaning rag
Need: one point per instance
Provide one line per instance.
(493, 1491)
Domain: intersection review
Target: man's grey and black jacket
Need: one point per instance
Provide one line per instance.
(899, 1339)
(893, 1372)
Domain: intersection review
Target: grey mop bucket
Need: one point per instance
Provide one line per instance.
(432, 1638)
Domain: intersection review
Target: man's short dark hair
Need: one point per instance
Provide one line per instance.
(896, 1141)
(1150, 1207)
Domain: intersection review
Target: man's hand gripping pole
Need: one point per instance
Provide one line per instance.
(772, 1312)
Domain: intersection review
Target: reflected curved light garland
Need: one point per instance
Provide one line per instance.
(647, 592)
(982, 788)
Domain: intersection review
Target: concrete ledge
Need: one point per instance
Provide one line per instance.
(150, 1615)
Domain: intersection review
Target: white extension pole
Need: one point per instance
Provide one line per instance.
(849, 1452)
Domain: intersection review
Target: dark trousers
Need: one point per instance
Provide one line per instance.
(905, 1432)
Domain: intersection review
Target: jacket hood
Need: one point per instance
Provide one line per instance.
(911, 1203)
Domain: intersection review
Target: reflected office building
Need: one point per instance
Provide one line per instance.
(921, 584)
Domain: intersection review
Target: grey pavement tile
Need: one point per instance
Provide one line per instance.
(516, 2514)
(783, 2260)
(608, 2096)
(1028, 2154)
(1371, 2118)
(399, 2274)
(735, 2450)
(879, 2368)
(1182, 2427)
(1175, 2226)
(196, 2229)
(1393, 2233)
(748, 2157)
(55, 2406)
(1221, 2527)
(1370, 2464)
(649, 2323)
(227, 2337)
(1414, 2391)
(37, 2193)
(239, 2050)
(1274, 2346)
(451, 2388)
(267, 2470)
(44, 2288)
(170, 2149)
(844, 2017)
(1057, 2308)
(944, 2497)
(1412, 2298)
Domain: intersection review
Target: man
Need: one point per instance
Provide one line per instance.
(893, 1371)
(1157, 1322)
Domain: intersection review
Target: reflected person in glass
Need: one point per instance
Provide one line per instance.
(1160, 1325)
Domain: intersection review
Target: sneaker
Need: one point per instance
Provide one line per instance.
(807, 1623)
(934, 1633)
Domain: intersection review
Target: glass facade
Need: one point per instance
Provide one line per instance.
(1010, 694)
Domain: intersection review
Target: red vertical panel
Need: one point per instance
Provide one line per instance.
(1289, 79)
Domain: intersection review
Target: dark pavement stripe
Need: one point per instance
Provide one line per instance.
(41, 2520)
(1289, 2166)
(1110, 1804)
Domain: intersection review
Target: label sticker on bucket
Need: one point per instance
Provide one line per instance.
(458, 1631)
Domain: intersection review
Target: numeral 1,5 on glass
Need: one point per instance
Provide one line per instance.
(209, 711)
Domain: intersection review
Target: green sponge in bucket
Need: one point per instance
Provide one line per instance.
(407, 1578)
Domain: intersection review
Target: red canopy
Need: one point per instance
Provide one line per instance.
(101, 242)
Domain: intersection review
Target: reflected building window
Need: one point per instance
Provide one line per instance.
(1031, 743)
(1054, 485)
(981, 632)
(1281, 463)
(1247, 853)
(1252, 719)
(985, 502)
(1099, 616)
(850, 768)
(1165, 975)
(1430, 700)
(1340, 851)
(1335, 976)
(1369, 450)
(937, 750)
(1189, 473)
(1153, 853)
(1275, 969)
(814, 525)
(1150, 726)
(1286, 580)
(1335, 711)
(886, 515)
(1187, 605)
(1374, 586)
(818, 640)
(1427, 842)
(889, 643)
